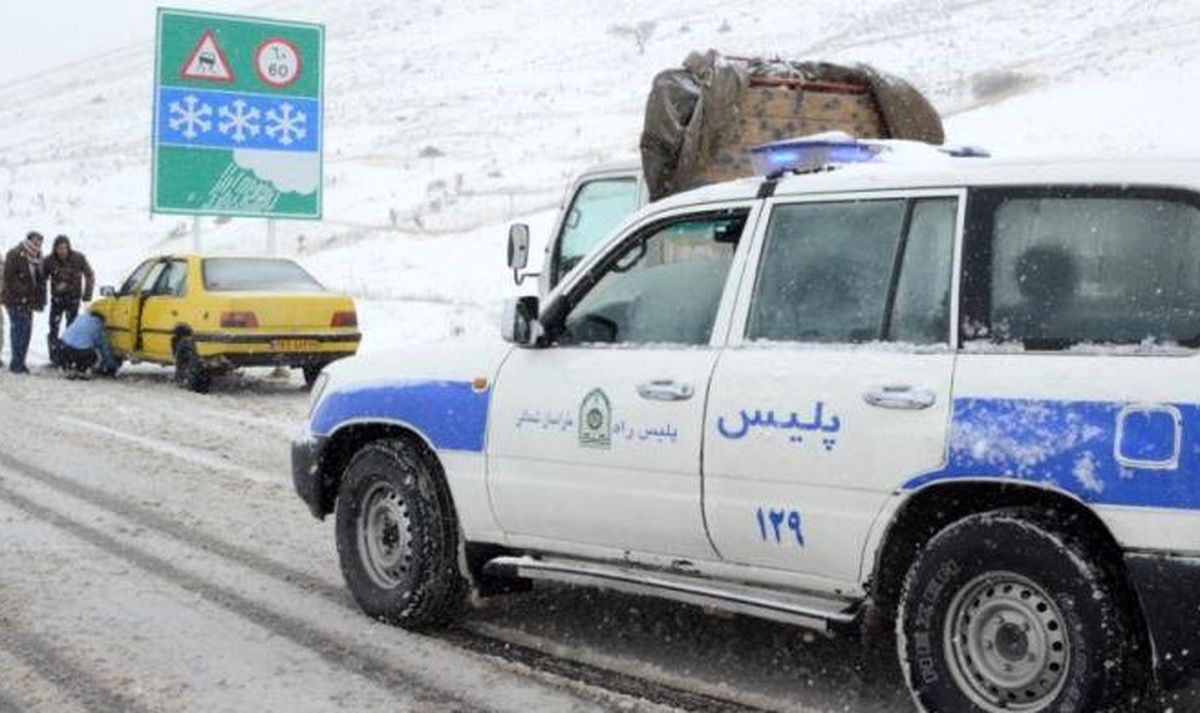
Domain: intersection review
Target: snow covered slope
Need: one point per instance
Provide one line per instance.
(515, 96)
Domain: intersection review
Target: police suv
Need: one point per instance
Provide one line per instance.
(956, 396)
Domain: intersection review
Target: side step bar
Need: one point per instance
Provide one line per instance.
(806, 610)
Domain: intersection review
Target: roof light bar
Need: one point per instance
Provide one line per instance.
(820, 151)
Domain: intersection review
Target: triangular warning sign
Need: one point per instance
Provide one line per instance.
(207, 62)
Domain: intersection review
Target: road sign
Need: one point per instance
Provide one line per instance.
(237, 116)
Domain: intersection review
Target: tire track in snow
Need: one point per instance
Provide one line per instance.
(190, 455)
(58, 671)
(335, 653)
(466, 636)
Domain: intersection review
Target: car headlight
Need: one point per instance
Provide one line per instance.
(318, 390)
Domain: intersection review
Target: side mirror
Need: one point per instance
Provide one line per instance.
(518, 246)
(108, 291)
(518, 251)
(519, 321)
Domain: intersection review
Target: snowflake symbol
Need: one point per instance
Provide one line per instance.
(285, 123)
(191, 115)
(240, 119)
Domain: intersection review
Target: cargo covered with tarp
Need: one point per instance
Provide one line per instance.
(702, 119)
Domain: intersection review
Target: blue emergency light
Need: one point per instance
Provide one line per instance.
(811, 153)
(821, 151)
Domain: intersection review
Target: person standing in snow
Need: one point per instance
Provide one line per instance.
(71, 280)
(23, 294)
(84, 342)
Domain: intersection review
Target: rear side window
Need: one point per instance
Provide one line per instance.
(856, 271)
(257, 275)
(1087, 266)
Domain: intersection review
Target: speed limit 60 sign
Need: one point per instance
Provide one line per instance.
(237, 116)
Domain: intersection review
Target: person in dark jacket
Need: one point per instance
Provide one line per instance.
(71, 280)
(23, 294)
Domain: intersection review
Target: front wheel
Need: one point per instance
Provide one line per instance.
(1007, 611)
(397, 536)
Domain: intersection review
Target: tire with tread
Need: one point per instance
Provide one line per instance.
(428, 590)
(1106, 662)
(190, 372)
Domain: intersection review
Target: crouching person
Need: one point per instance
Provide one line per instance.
(84, 345)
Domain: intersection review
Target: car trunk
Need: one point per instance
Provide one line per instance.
(278, 312)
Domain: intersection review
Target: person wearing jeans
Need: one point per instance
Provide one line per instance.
(22, 294)
(70, 278)
(85, 346)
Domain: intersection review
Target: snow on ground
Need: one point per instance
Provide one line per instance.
(518, 96)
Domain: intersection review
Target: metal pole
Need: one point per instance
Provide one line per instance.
(271, 237)
(196, 246)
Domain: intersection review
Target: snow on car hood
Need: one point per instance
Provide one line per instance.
(435, 361)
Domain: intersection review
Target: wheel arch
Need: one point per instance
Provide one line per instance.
(926, 511)
(350, 436)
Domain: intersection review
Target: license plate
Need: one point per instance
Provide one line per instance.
(294, 345)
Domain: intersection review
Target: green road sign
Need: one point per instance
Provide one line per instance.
(237, 116)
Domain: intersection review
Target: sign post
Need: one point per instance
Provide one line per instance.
(237, 117)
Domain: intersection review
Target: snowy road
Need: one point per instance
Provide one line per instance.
(156, 558)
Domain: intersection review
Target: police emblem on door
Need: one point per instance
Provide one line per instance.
(595, 421)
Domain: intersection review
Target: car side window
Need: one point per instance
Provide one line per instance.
(664, 286)
(921, 308)
(856, 271)
(824, 272)
(150, 284)
(173, 280)
(1073, 267)
(136, 278)
(597, 208)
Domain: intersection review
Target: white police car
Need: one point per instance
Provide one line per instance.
(960, 395)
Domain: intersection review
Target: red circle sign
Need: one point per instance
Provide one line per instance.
(277, 62)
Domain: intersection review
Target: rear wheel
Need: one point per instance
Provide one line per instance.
(190, 372)
(1008, 611)
(397, 536)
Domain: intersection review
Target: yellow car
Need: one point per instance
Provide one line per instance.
(211, 314)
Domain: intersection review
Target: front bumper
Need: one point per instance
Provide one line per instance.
(1169, 589)
(308, 475)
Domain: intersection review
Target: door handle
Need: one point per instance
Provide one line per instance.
(665, 390)
(900, 396)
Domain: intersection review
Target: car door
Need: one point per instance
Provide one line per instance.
(121, 322)
(594, 441)
(160, 310)
(597, 206)
(836, 385)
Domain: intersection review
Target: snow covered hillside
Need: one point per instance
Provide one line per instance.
(446, 119)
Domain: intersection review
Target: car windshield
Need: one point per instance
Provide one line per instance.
(257, 275)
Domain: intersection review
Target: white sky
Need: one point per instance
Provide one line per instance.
(36, 35)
